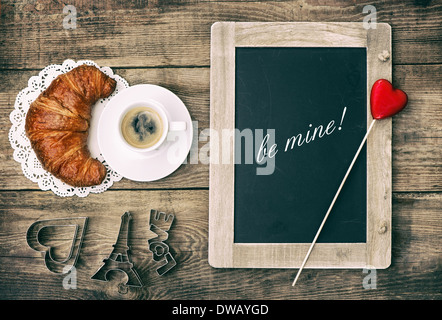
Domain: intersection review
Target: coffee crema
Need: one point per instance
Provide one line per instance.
(142, 127)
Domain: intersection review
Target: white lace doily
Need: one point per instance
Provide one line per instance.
(25, 155)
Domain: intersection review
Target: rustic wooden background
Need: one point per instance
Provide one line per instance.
(167, 42)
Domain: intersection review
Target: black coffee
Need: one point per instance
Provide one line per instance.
(142, 127)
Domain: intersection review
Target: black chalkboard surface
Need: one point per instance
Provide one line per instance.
(299, 92)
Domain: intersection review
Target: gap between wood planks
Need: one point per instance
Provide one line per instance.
(118, 67)
(119, 189)
(190, 67)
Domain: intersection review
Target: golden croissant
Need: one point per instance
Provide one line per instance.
(57, 125)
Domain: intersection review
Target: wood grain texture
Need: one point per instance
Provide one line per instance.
(167, 42)
(222, 117)
(379, 150)
(414, 273)
(178, 33)
(417, 135)
(417, 130)
(300, 34)
(190, 84)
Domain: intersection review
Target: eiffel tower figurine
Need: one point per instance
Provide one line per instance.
(119, 258)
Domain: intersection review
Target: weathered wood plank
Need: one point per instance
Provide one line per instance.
(190, 84)
(20, 209)
(178, 34)
(417, 130)
(414, 273)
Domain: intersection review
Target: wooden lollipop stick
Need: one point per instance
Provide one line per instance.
(333, 202)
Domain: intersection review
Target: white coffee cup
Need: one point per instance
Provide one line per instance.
(166, 126)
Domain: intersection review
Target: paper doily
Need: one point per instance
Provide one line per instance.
(25, 155)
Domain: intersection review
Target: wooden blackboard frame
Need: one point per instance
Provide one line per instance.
(223, 252)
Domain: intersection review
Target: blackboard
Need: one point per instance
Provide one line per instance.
(295, 91)
(295, 99)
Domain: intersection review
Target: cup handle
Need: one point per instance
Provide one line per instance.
(177, 126)
(176, 129)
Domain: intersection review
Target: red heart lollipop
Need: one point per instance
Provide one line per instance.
(385, 100)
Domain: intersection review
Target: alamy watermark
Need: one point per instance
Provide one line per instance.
(370, 20)
(70, 280)
(370, 280)
(255, 147)
(246, 146)
(70, 20)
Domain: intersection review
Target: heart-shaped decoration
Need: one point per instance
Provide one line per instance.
(385, 100)
(38, 228)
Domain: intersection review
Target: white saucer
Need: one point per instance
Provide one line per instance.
(159, 163)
